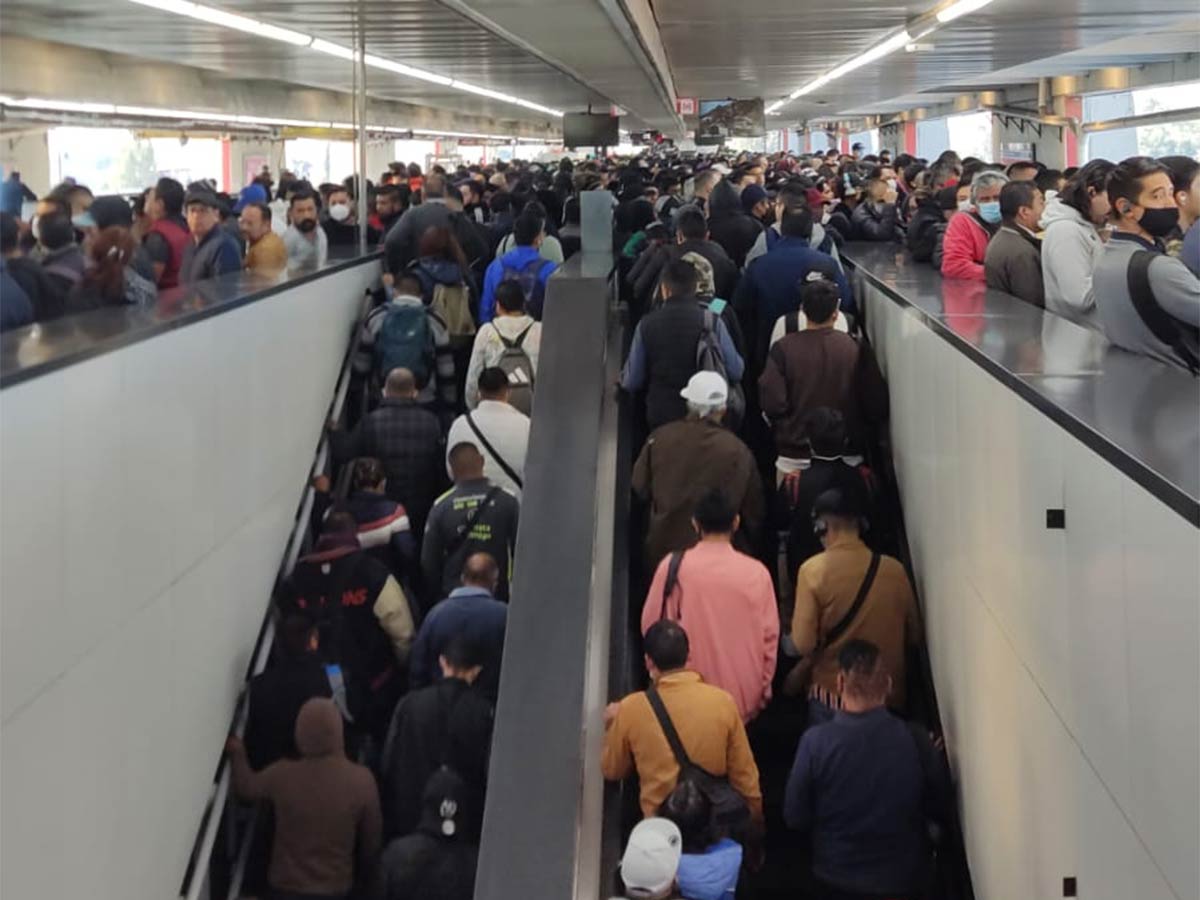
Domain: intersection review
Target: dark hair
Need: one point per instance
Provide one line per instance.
(1183, 171)
(1125, 182)
(1021, 164)
(859, 657)
(911, 171)
(970, 170)
(839, 504)
(410, 278)
(826, 431)
(715, 513)
(797, 223)
(1094, 175)
(526, 228)
(680, 277)
(666, 643)
(171, 193)
(296, 628)
(463, 652)
(1048, 179)
(304, 194)
(110, 250)
(819, 300)
(55, 230)
(1014, 195)
(690, 222)
(262, 208)
(689, 808)
(1069, 171)
(510, 297)
(10, 232)
(367, 473)
(794, 197)
(340, 522)
(492, 381)
(434, 185)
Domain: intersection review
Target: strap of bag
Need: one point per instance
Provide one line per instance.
(487, 445)
(791, 323)
(672, 582)
(664, 720)
(1162, 324)
(461, 538)
(847, 620)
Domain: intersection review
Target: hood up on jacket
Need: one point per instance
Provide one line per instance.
(724, 201)
(319, 729)
(444, 804)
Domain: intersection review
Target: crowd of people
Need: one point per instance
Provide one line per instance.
(766, 563)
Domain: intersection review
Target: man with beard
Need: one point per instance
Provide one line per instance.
(307, 245)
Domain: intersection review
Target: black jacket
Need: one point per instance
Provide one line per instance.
(922, 230)
(841, 224)
(874, 222)
(429, 866)
(822, 474)
(449, 723)
(645, 274)
(729, 225)
(670, 336)
(275, 698)
(47, 298)
(408, 441)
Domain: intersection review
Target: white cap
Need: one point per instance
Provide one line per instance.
(721, 168)
(651, 858)
(706, 389)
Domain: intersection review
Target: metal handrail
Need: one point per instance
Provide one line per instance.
(196, 875)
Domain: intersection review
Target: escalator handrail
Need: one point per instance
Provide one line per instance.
(197, 872)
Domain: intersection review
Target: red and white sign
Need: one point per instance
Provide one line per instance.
(687, 106)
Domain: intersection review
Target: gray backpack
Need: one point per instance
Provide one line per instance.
(516, 364)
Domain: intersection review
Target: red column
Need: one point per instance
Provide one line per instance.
(226, 166)
(1073, 110)
(844, 142)
(910, 138)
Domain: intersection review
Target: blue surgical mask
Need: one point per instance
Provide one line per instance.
(990, 212)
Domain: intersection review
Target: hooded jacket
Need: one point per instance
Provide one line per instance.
(921, 237)
(645, 281)
(328, 824)
(729, 225)
(515, 260)
(965, 246)
(437, 860)
(1071, 248)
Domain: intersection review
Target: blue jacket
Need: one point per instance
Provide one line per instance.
(713, 874)
(468, 610)
(770, 287)
(517, 258)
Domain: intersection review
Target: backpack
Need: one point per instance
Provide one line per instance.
(451, 303)
(529, 278)
(517, 365)
(710, 359)
(405, 340)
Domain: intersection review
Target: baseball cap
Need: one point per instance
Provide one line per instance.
(251, 193)
(651, 858)
(706, 389)
(110, 209)
(199, 195)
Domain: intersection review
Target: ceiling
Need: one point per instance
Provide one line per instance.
(769, 48)
(421, 33)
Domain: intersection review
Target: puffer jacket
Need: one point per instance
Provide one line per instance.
(1070, 248)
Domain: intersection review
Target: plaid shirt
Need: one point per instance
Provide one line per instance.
(408, 441)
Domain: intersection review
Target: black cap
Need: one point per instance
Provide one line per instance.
(199, 195)
(947, 198)
(838, 502)
(111, 209)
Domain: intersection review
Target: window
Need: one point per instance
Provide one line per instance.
(319, 162)
(117, 161)
(1169, 139)
(971, 135)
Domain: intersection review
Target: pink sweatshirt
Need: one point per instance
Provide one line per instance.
(729, 612)
(963, 248)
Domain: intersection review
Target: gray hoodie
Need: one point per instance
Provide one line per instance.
(1070, 248)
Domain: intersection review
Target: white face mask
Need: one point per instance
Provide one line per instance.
(36, 227)
(891, 183)
(339, 212)
(964, 205)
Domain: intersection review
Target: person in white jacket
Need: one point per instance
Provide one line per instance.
(510, 322)
(1072, 243)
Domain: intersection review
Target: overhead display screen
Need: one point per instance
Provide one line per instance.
(731, 118)
(590, 130)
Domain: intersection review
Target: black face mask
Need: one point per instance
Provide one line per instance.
(1160, 221)
(307, 225)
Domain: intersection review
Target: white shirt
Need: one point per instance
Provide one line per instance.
(550, 248)
(489, 348)
(780, 329)
(305, 251)
(507, 429)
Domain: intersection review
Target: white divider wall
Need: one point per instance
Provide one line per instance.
(1067, 662)
(146, 497)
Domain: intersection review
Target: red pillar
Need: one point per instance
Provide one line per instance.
(910, 138)
(844, 142)
(226, 166)
(1073, 110)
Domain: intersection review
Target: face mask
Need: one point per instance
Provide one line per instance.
(307, 225)
(36, 227)
(339, 212)
(891, 183)
(990, 212)
(1160, 221)
(964, 205)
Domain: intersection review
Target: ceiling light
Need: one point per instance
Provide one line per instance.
(378, 62)
(323, 46)
(961, 8)
(60, 105)
(229, 20)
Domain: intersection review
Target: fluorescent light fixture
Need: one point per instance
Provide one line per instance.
(229, 20)
(961, 8)
(323, 46)
(70, 106)
(378, 62)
